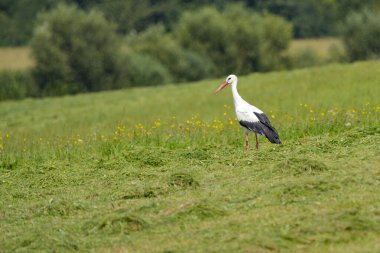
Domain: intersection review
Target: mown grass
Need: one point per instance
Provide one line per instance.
(164, 169)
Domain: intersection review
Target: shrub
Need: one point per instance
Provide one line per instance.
(337, 53)
(207, 32)
(76, 52)
(275, 35)
(16, 85)
(305, 57)
(236, 40)
(144, 70)
(184, 65)
(191, 66)
(361, 35)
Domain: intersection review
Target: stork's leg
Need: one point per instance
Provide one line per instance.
(257, 141)
(247, 146)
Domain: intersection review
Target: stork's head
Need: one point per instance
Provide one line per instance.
(229, 80)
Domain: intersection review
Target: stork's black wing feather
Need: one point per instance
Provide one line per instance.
(269, 131)
(252, 126)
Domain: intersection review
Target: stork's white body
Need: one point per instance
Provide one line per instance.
(250, 118)
(244, 111)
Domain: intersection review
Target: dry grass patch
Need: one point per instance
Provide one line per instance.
(322, 46)
(15, 58)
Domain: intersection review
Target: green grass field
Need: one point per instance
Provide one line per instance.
(164, 169)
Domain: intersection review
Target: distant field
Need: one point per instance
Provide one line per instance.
(15, 58)
(321, 46)
(163, 169)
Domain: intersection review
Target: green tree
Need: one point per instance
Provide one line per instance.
(361, 35)
(310, 18)
(144, 70)
(76, 51)
(208, 33)
(236, 40)
(276, 34)
(184, 65)
(17, 19)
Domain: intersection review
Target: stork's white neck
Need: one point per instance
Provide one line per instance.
(235, 94)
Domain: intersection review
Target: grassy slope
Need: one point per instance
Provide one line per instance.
(198, 191)
(341, 86)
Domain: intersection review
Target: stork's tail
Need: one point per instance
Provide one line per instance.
(269, 131)
(271, 134)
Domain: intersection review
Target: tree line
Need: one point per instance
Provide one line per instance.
(310, 18)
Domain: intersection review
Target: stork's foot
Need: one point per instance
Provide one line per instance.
(257, 146)
(247, 146)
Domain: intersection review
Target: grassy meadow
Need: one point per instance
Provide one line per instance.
(164, 169)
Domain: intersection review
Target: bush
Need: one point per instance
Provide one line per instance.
(275, 34)
(236, 40)
(191, 66)
(76, 52)
(144, 70)
(337, 53)
(305, 57)
(16, 85)
(184, 65)
(208, 33)
(361, 35)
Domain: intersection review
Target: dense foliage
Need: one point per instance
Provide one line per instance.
(183, 64)
(205, 39)
(362, 35)
(249, 43)
(16, 85)
(76, 52)
(310, 18)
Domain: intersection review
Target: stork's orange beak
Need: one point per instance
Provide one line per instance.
(221, 87)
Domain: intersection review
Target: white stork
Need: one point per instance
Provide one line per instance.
(250, 118)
